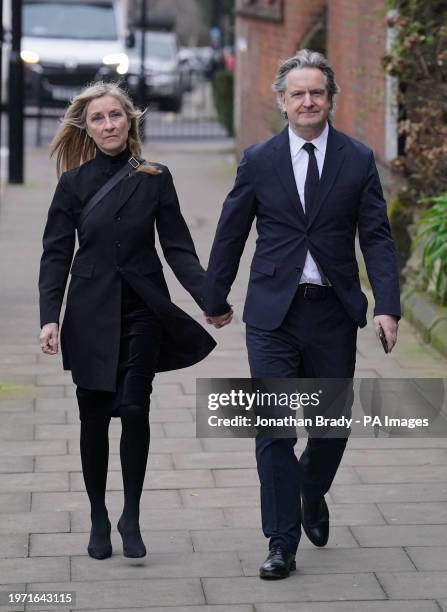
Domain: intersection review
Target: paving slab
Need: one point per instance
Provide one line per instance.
(16, 464)
(202, 608)
(223, 460)
(164, 519)
(253, 539)
(72, 431)
(54, 568)
(161, 479)
(179, 430)
(418, 513)
(391, 443)
(78, 500)
(75, 543)
(161, 565)
(428, 558)
(337, 561)
(246, 477)
(40, 417)
(400, 535)
(390, 492)
(16, 405)
(395, 457)
(220, 497)
(399, 474)
(213, 445)
(15, 502)
(120, 594)
(12, 431)
(32, 448)
(157, 445)
(57, 404)
(340, 514)
(29, 391)
(12, 588)
(414, 585)
(13, 545)
(72, 463)
(34, 522)
(56, 481)
(324, 587)
(420, 605)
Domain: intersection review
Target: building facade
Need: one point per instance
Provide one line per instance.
(351, 33)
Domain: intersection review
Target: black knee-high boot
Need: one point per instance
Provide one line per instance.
(134, 448)
(94, 447)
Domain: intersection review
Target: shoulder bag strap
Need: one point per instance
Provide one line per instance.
(132, 164)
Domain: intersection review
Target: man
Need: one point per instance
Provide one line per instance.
(310, 188)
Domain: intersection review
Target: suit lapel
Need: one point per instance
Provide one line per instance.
(126, 189)
(282, 162)
(333, 161)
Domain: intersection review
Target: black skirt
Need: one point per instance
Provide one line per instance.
(140, 342)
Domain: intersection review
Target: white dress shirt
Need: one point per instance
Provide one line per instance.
(300, 161)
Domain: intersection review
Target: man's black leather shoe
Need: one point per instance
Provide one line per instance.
(315, 520)
(279, 563)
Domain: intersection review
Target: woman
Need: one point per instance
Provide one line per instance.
(120, 326)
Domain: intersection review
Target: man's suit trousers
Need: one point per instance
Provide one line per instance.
(317, 339)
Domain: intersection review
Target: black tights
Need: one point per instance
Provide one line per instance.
(94, 409)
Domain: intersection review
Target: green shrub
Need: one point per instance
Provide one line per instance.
(400, 214)
(432, 226)
(223, 87)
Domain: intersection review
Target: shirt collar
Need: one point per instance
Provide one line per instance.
(296, 142)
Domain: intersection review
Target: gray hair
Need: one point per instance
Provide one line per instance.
(306, 58)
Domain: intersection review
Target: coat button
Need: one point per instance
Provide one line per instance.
(118, 244)
(117, 218)
(118, 268)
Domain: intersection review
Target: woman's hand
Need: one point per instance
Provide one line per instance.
(49, 338)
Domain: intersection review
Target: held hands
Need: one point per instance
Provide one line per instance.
(221, 320)
(49, 338)
(389, 325)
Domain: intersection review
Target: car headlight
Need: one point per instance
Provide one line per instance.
(120, 60)
(29, 57)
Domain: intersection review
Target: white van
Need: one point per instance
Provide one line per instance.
(68, 43)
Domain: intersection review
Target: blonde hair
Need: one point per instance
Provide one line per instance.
(73, 146)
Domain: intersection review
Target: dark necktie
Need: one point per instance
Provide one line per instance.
(312, 179)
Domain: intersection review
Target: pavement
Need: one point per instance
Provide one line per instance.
(200, 508)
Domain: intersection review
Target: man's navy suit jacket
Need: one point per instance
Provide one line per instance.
(349, 199)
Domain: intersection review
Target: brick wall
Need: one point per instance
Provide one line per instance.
(266, 43)
(355, 43)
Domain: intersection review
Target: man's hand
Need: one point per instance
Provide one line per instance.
(49, 338)
(221, 320)
(389, 325)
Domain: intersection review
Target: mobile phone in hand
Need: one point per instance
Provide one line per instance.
(382, 338)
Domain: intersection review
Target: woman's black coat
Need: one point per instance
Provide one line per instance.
(117, 240)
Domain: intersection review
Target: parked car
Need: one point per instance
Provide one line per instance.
(68, 43)
(163, 78)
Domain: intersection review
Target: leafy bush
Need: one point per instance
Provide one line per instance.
(418, 58)
(223, 87)
(400, 214)
(433, 235)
